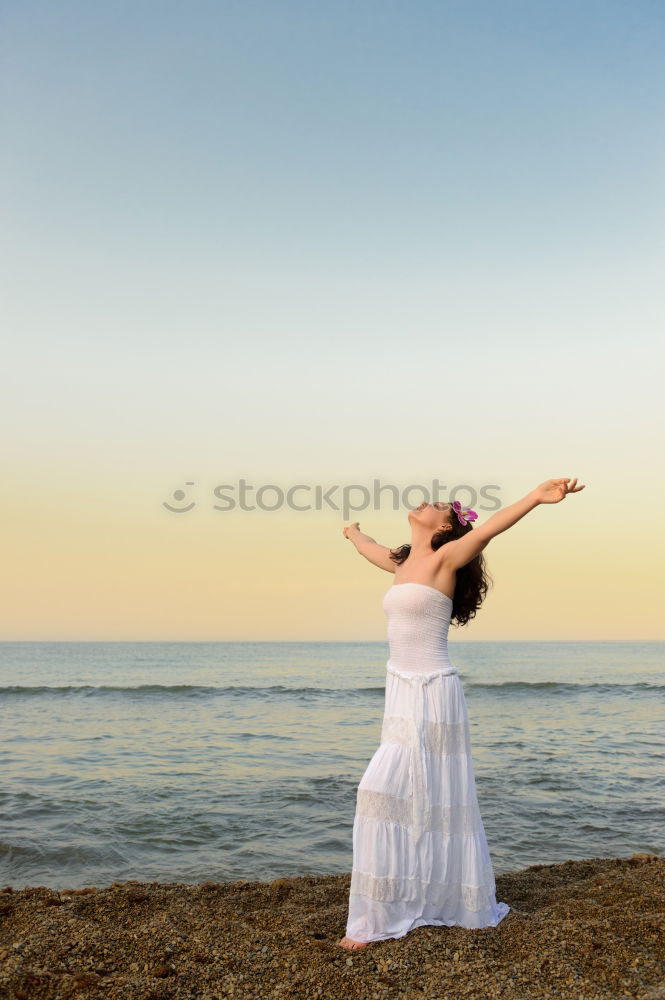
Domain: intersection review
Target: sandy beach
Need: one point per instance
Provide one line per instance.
(587, 928)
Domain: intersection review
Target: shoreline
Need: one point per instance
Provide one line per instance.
(589, 928)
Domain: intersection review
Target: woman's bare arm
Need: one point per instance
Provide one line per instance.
(377, 554)
(462, 550)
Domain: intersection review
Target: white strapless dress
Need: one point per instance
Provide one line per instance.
(420, 854)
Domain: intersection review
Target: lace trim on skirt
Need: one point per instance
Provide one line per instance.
(446, 819)
(438, 737)
(410, 890)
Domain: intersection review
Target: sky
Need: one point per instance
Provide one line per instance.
(291, 243)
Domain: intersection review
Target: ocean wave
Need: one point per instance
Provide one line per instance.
(281, 690)
(180, 690)
(561, 687)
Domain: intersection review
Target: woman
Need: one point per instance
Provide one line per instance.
(420, 854)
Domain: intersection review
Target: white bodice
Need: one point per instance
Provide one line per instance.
(418, 623)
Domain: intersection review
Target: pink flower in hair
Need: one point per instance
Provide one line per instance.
(463, 516)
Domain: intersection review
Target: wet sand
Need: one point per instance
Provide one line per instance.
(582, 929)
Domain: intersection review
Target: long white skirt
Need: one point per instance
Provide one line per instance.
(420, 854)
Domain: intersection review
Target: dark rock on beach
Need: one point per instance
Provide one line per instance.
(582, 929)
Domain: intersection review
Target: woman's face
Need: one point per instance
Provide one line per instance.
(431, 515)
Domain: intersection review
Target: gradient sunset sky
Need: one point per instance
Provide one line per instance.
(327, 244)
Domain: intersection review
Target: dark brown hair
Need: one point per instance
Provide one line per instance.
(472, 581)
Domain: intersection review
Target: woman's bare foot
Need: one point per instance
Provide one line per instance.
(349, 943)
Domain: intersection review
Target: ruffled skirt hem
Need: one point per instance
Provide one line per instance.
(398, 918)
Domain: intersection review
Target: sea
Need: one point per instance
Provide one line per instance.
(225, 761)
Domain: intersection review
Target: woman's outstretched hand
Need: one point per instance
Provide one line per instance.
(554, 490)
(356, 524)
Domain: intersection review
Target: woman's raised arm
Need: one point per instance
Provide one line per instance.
(377, 554)
(462, 550)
